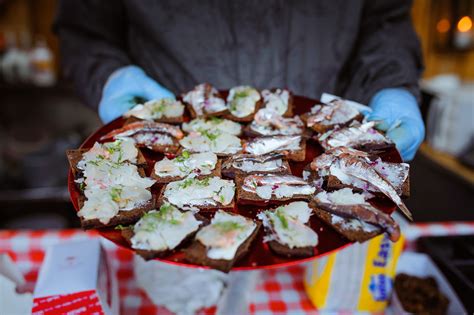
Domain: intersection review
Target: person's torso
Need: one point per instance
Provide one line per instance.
(300, 44)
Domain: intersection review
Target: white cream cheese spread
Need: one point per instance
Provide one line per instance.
(157, 109)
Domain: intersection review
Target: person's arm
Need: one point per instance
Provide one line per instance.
(384, 70)
(92, 38)
(387, 53)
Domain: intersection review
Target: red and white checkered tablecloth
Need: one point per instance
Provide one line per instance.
(280, 291)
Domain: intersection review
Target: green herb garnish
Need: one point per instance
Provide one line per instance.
(82, 186)
(228, 226)
(188, 182)
(215, 120)
(115, 193)
(120, 227)
(159, 108)
(211, 135)
(184, 156)
(281, 217)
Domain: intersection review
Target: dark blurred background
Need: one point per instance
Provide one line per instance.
(40, 116)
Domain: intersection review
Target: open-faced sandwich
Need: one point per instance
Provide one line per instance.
(205, 100)
(113, 189)
(243, 102)
(208, 193)
(363, 137)
(165, 110)
(354, 168)
(159, 137)
(243, 164)
(279, 101)
(352, 216)
(186, 164)
(223, 242)
(261, 188)
(161, 231)
(213, 124)
(268, 123)
(294, 147)
(216, 141)
(337, 113)
(287, 230)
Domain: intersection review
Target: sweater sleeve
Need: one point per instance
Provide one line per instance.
(92, 39)
(387, 53)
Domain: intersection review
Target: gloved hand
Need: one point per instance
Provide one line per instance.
(123, 87)
(400, 117)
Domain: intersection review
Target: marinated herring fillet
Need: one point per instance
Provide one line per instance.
(160, 231)
(204, 100)
(347, 204)
(212, 141)
(248, 163)
(242, 102)
(350, 167)
(294, 147)
(184, 165)
(213, 124)
(287, 226)
(157, 110)
(279, 101)
(205, 193)
(324, 117)
(158, 137)
(268, 123)
(273, 186)
(359, 136)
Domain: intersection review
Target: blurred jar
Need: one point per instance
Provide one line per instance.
(450, 125)
(42, 64)
(15, 63)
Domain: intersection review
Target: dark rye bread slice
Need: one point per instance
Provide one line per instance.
(353, 235)
(247, 118)
(166, 120)
(127, 234)
(197, 253)
(122, 218)
(322, 128)
(233, 172)
(163, 180)
(247, 197)
(286, 251)
(162, 200)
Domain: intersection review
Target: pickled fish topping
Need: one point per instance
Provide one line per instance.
(242, 101)
(186, 164)
(277, 100)
(334, 113)
(157, 109)
(225, 234)
(210, 191)
(163, 229)
(211, 141)
(267, 122)
(287, 225)
(264, 145)
(281, 186)
(213, 124)
(205, 99)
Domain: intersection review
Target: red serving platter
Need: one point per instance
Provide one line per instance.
(259, 256)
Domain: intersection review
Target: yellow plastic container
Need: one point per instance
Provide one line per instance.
(357, 278)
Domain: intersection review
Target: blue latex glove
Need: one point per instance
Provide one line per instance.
(123, 87)
(400, 117)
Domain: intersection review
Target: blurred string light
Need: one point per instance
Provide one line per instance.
(465, 24)
(443, 25)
